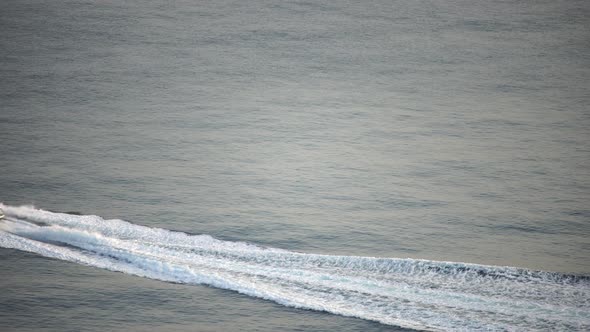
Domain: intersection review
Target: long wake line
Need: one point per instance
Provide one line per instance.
(417, 294)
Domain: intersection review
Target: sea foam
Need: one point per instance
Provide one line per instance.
(409, 293)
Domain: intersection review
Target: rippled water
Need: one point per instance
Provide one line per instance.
(435, 130)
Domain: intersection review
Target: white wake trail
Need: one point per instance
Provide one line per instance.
(409, 293)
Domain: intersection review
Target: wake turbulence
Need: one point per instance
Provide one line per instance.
(409, 293)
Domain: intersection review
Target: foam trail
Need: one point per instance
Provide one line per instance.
(409, 293)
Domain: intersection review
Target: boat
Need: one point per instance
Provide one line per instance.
(1, 214)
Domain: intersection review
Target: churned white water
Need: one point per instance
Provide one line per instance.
(409, 293)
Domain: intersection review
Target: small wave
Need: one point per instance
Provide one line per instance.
(410, 293)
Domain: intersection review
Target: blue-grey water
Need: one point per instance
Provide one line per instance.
(307, 136)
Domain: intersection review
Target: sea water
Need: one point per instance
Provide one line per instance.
(294, 165)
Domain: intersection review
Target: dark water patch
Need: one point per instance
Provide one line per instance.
(576, 213)
(526, 229)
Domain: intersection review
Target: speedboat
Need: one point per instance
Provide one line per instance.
(1, 214)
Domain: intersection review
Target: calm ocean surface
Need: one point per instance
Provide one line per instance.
(300, 133)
